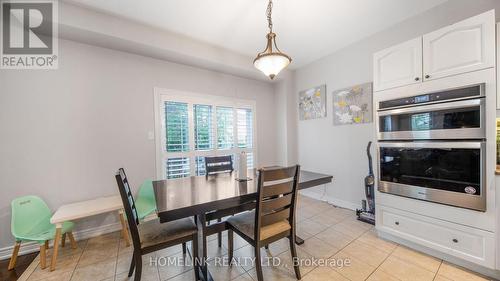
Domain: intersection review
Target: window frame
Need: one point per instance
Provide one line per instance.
(161, 155)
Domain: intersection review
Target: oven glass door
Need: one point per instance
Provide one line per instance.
(460, 119)
(445, 172)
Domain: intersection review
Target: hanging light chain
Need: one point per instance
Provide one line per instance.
(269, 11)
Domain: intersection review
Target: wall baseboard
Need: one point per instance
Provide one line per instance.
(331, 200)
(31, 247)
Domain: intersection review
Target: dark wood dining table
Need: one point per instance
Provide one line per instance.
(217, 196)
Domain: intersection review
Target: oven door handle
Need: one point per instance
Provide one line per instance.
(434, 107)
(440, 145)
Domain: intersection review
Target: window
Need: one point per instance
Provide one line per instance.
(190, 127)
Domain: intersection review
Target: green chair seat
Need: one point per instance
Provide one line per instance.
(43, 233)
(145, 202)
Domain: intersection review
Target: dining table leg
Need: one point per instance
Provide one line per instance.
(201, 256)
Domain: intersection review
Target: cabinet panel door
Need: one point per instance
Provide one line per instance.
(398, 66)
(466, 46)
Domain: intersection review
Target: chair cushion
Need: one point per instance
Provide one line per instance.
(245, 223)
(153, 232)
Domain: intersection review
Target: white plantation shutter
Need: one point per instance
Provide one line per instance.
(178, 167)
(190, 128)
(177, 133)
(203, 131)
(225, 127)
(244, 127)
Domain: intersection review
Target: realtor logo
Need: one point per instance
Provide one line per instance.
(29, 34)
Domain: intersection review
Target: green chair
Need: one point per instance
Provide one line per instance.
(31, 222)
(145, 202)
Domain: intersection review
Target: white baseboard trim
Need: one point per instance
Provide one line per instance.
(31, 247)
(330, 200)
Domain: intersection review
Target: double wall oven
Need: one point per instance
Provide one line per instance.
(432, 147)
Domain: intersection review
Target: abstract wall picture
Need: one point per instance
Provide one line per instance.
(312, 103)
(353, 105)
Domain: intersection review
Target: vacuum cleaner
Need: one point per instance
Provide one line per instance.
(367, 211)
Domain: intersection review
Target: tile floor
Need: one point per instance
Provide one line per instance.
(330, 232)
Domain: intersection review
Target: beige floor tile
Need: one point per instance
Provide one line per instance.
(380, 275)
(244, 277)
(304, 213)
(274, 274)
(122, 247)
(220, 269)
(64, 264)
(54, 276)
(170, 251)
(145, 276)
(96, 271)
(417, 258)
(238, 242)
(318, 248)
(279, 247)
(96, 255)
(366, 253)
(349, 229)
(174, 265)
(186, 276)
(456, 273)
(354, 269)
(285, 260)
(334, 238)
(441, 278)
(371, 238)
(324, 274)
(245, 255)
(404, 270)
(311, 227)
(325, 219)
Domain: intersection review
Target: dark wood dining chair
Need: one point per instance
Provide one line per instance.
(273, 217)
(151, 236)
(217, 165)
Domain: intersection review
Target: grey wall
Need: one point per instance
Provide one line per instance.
(340, 150)
(65, 132)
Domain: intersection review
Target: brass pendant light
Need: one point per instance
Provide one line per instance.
(271, 61)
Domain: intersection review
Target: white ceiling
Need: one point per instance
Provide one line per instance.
(306, 29)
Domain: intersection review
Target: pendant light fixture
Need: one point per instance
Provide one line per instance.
(271, 61)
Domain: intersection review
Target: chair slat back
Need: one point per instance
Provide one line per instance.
(277, 196)
(128, 205)
(218, 164)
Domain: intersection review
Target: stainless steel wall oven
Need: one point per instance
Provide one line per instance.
(432, 147)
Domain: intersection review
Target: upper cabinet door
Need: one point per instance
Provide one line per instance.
(398, 65)
(466, 46)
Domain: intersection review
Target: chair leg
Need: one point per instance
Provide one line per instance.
(72, 240)
(132, 266)
(194, 257)
(47, 245)
(258, 263)
(13, 258)
(184, 248)
(230, 245)
(43, 257)
(293, 250)
(219, 235)
(63, 240)
(138, 268)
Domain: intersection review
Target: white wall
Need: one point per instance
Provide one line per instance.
(340, 150)
(65, 132)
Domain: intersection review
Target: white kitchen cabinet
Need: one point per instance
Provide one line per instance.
(468, 243)
(398, 65)
(465, 46)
